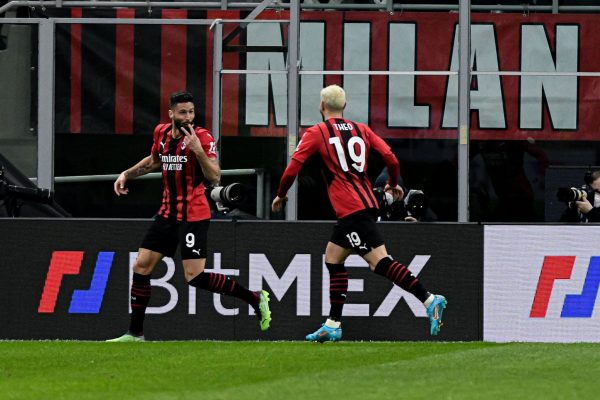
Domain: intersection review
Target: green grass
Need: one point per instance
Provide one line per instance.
(296, 370)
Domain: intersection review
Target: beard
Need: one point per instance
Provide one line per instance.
(179, 124)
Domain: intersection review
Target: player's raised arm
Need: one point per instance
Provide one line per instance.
(145, 166)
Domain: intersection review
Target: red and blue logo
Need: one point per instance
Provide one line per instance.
(87, 301)
(575, 305)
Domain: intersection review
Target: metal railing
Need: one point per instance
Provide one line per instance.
(389, 6)
(263, 183)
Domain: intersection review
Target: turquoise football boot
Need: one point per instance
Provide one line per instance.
(434, 312)
(325, 334)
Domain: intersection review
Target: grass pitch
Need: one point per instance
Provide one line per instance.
(296, 370)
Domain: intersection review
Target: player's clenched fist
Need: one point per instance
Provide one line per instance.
(278, 203)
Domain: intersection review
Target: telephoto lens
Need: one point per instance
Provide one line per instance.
(570, 194)
(230, 196)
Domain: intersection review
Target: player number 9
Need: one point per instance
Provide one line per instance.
(190, 239)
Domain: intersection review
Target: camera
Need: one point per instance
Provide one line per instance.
(567, 195)
(414, 204)
(384, 199)
(24, 193)
(389, 210)
(12, 194)
(227, 197)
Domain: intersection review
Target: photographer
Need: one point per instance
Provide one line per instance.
(412, 207)
(584, 204)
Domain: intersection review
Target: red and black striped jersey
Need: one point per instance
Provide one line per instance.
(344, 148)
(183, 179)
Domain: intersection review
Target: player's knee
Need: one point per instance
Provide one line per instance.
(192, 268)
(376, 256)
(143, 267)
(189, 275)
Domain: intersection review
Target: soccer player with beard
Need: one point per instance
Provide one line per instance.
(187, 157)
(344, 148)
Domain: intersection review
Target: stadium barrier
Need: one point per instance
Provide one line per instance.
(541, 283)
(69, 279)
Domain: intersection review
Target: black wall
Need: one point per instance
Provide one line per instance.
(27, 248)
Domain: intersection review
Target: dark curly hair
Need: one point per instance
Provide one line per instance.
(180, 97)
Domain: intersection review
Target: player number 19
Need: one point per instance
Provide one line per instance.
(354, 239)
(356, 155)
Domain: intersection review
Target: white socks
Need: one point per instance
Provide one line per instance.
(429, 300)
(332, 324)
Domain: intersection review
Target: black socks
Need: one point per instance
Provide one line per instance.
(219, 283)
(338, 287)
(401, 276)
(140, 297)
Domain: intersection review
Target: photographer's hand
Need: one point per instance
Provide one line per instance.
(584, 206)
(397, 192)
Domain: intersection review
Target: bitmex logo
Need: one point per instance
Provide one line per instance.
(295, 281)
(86, 301)
(575, 305)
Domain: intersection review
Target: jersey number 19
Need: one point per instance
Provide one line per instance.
(356, 151)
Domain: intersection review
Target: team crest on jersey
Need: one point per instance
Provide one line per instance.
(183, 146)
(212, 148)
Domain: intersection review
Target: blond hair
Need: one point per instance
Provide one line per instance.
(334, 97)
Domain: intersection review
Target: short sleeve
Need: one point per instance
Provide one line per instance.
(308, 145)
(155, 143)
(208, 142)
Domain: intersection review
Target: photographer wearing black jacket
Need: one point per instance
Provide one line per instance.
(585, 203)
(413, 207)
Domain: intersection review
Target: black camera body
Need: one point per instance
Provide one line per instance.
(414, 204)
(227, 197)
(567, 195)
(13, 195)
(38, 195)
